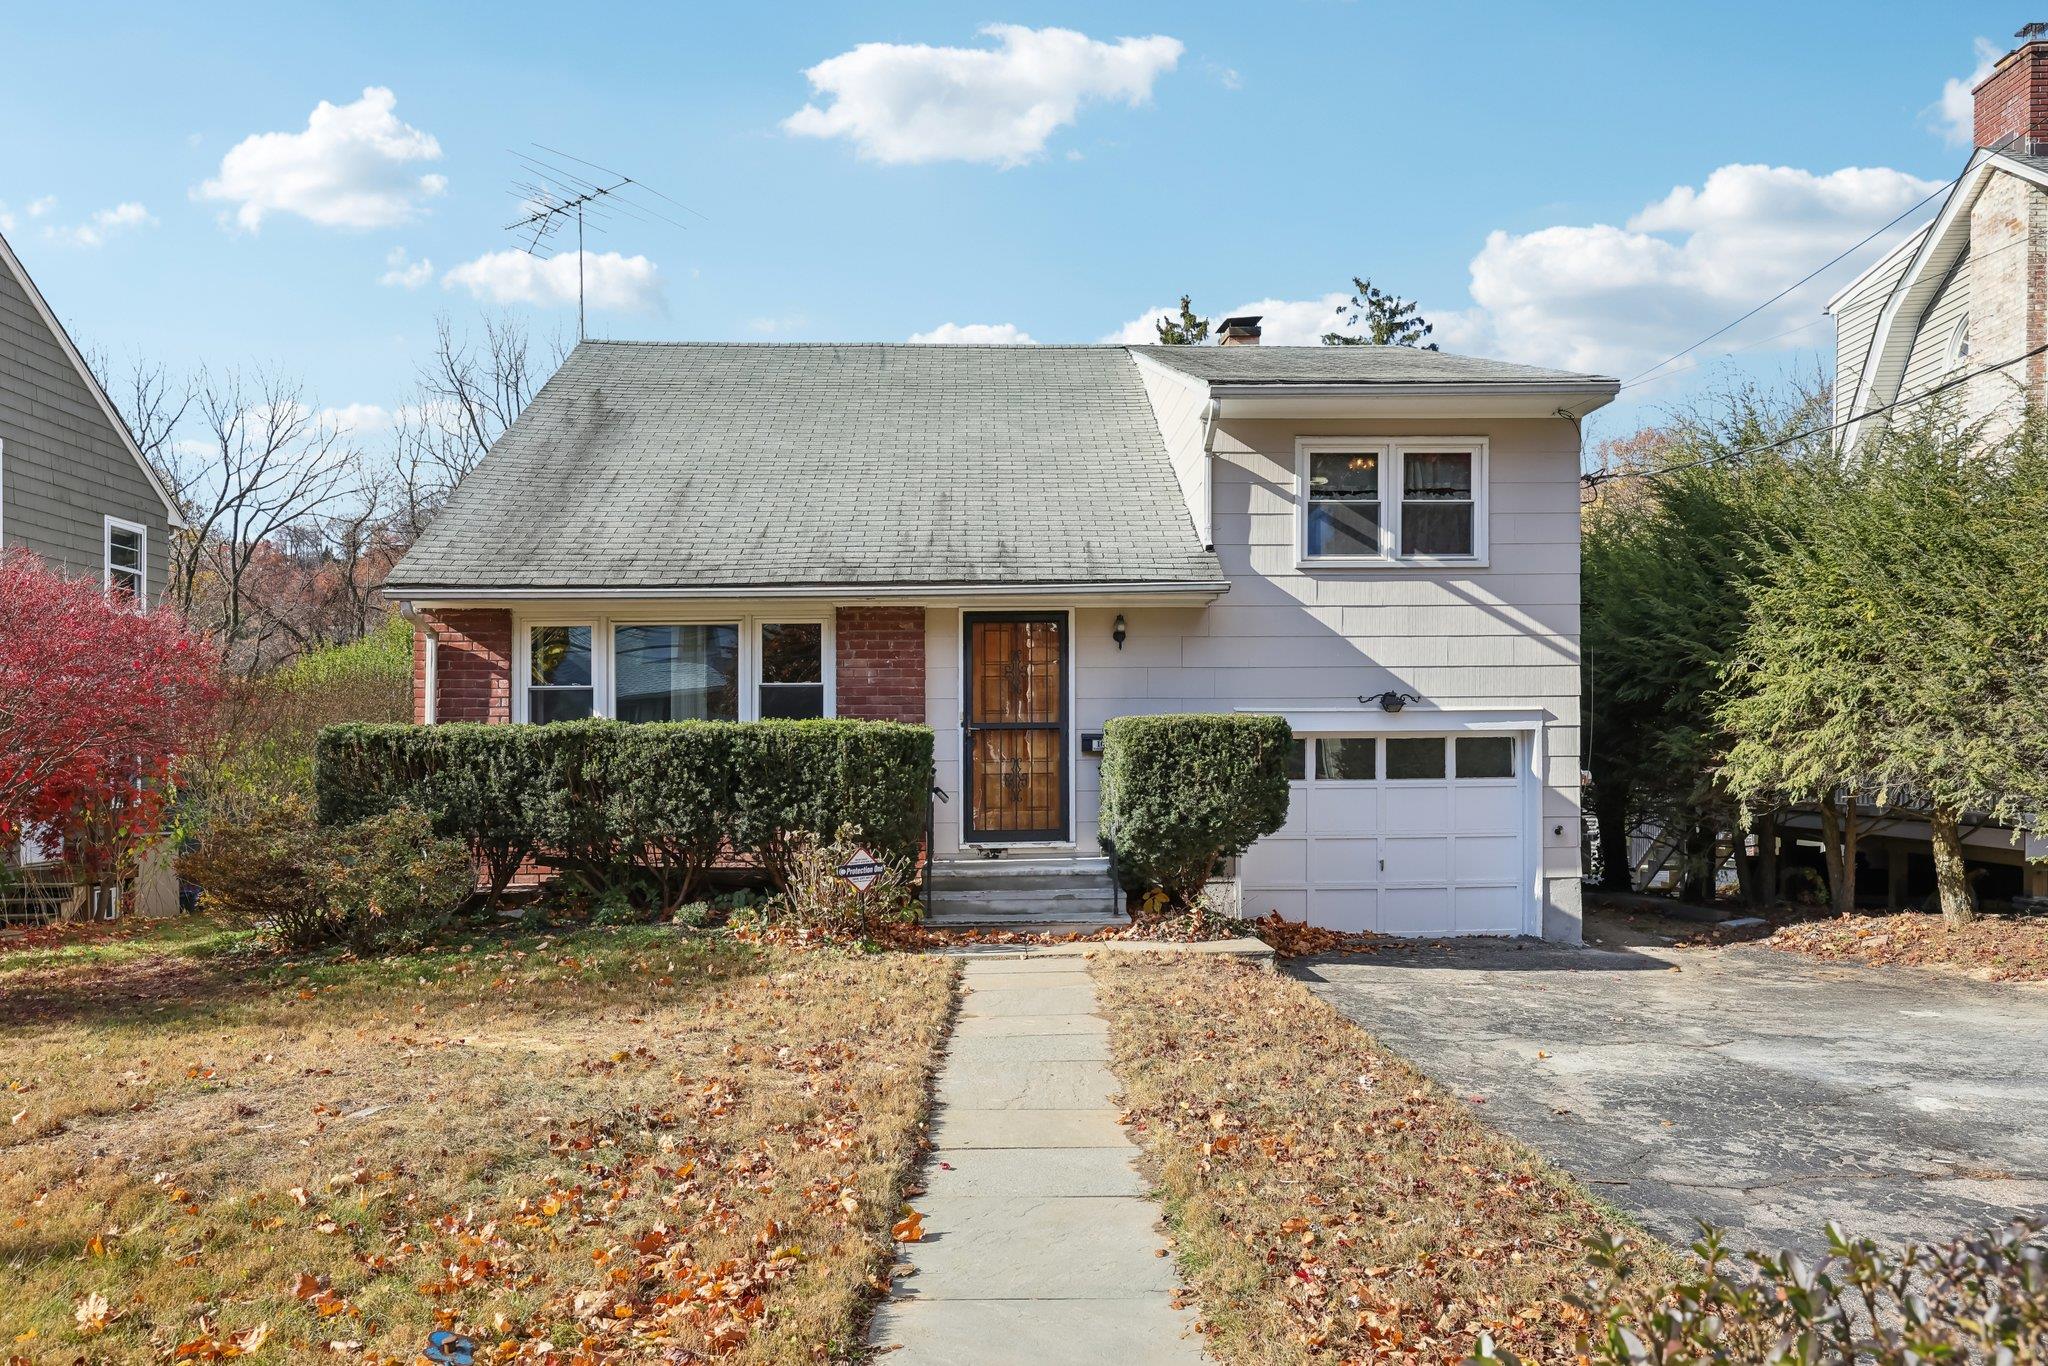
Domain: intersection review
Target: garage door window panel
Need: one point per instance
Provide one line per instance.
(1415, 760)
(1486, 756)
(1344, 759)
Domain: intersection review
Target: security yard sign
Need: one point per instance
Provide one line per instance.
(862, 869)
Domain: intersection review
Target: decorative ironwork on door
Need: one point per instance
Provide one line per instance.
(1017, 721)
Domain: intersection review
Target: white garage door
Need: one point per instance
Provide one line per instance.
(1399, 834)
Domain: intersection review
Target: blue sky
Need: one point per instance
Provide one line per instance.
(1587, 184)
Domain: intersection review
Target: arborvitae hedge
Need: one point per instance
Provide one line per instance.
(601, 796)
(1181, 792)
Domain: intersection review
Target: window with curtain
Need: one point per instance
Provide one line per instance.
(1436, 503)
(1343, 503)
(559, 684)
(792, 669)
(678, 673)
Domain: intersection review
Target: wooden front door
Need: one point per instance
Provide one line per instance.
(1016, 713)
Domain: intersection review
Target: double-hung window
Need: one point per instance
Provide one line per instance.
(792, 669)
(560, 685)
(1391, 503)
(125, 547)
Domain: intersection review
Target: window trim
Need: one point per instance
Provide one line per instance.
(109, 524)
(604, 650)
(1393, 452)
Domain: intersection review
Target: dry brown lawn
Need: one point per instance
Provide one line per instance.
(1327, 1202)
(620, 1145)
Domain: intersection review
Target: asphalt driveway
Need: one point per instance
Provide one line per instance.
(1765, 1092)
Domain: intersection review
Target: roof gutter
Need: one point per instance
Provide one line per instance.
(424, 593)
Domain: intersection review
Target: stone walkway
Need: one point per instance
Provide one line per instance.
(1039, 1242)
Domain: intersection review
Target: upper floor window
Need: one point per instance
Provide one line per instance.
(1391, 502)
(126, 555)
(1958, 354)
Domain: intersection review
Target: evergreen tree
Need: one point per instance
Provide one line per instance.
(1376, 318)
(1895, 648)
(1187, 329)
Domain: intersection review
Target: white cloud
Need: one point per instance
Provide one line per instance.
(404, 272)
(906, 103)
(976, 334)
(1617, 299)
(1284, 322)
(38, 207)
(357, 418)
(611, 281)
(98, 226)
(1954, 115)
(787, 322)
(355, 166)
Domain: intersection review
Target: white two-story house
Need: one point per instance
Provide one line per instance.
(1015, 544)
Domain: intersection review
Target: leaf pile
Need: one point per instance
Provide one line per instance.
(1328, 1202)
(1996, 948)
(622, 1145)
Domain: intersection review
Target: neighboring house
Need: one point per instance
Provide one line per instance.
(74, 488)
(1962, 306)
(1015, 544)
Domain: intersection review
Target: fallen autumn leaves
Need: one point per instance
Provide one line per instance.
(1328, 1202)
(621, 1145)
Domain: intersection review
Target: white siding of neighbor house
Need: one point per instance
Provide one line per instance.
(1927, 364)
(1856, 317)
(1502, 636)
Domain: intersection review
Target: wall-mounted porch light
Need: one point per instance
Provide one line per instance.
(1391, 701)
(1119, 631)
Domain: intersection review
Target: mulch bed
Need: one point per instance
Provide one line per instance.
(1994, 948)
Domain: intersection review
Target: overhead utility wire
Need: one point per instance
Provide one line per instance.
(1939, 189)
(1598, 477)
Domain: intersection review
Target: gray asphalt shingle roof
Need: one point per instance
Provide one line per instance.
(653, 465)
(650, 465)
(1347, 365)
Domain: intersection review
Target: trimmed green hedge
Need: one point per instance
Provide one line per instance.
(601, 798)
(1181, 792)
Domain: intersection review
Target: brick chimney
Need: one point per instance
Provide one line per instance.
(2012, 102)
(2009, 241)
(1239, 331)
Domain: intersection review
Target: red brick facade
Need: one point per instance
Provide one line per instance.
(2013, 100)
(880, 659)
(472, 665)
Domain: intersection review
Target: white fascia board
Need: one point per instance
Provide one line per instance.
(419, 597)
(1413, 400)
(1911, 244)
(88, 378)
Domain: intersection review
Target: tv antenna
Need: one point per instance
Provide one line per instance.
(550, 194)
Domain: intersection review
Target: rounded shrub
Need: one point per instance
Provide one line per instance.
(1180, 793)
